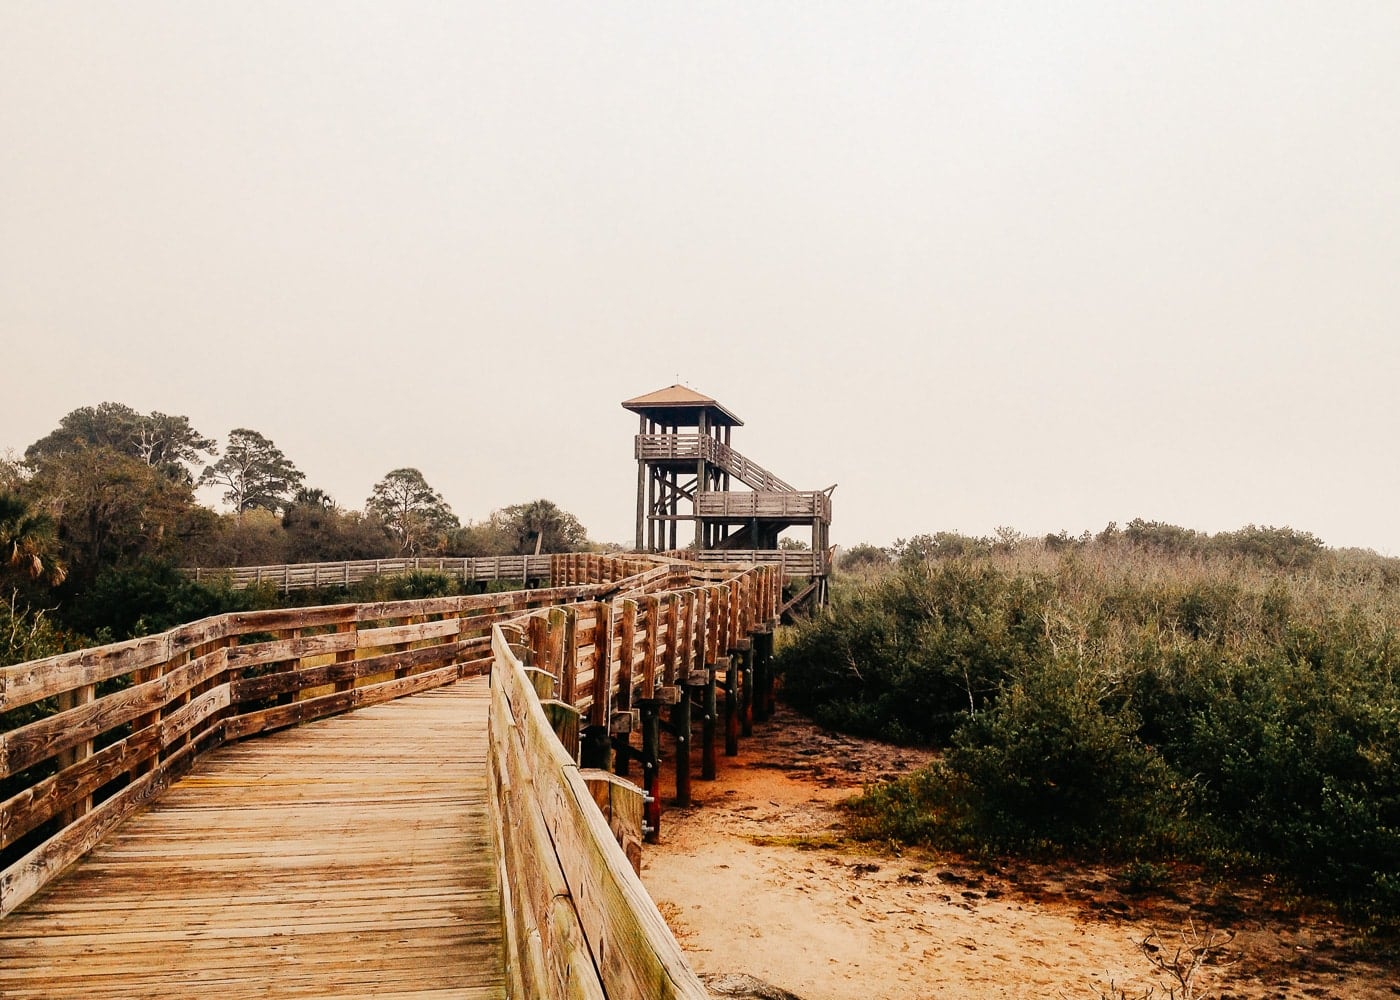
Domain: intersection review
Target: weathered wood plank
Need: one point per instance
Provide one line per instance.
(552, 951)
(650, 605)
(626, 654)
(601, 689)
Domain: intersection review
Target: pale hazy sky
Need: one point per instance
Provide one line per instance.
(1043, 265)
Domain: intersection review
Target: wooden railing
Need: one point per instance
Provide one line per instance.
(794, 562)
(88, 738)
(578, 920)
(560, 569)
(741, 506)
(303, 576)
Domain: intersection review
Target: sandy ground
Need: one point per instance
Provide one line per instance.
(755, 879)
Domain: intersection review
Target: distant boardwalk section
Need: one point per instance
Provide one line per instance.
(304, 576)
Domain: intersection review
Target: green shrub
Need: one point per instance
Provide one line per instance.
(902, 661)
(413, 585)
(1050, 766)
(153, 596)
(1142, 695)
(1054, 762)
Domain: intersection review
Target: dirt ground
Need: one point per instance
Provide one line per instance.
(755, 879)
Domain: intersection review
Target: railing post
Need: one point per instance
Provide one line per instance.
(731, 704)
(601, 713)
(626, 652)
(680, 723)
(651, 767)
(67, 700)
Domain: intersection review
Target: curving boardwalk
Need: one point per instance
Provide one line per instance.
(346, 857)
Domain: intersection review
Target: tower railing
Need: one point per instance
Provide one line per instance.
(682, 447)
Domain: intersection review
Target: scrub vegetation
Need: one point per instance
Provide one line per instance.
(1149, 693)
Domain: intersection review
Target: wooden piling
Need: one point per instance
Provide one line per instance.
(622, 753)
(746, 697)
(708, 764)
(760, 679)
(651, 767)
(770, 691)
(680, 725)
(731, 704)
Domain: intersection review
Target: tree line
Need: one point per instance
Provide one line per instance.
(106, 504)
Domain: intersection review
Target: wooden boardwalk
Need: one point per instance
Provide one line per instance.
(347, 857)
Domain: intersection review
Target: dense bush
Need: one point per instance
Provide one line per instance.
(152, 596)
(1053, 762)
(1148, 693)
(905, 658)
(418, 583)
(863, 556)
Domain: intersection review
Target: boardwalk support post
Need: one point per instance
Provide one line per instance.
(746, 696)
(595, 748)
(708, 764)
(731, 704)
(680, 724)
(651, 767)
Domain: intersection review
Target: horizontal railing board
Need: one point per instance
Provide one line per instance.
(35, 805)
(26, 746)
(269, 685)
(795, 562)
(25, 683)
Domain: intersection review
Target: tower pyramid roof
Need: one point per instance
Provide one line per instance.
(680, 401)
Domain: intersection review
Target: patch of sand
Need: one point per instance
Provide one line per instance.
(753, 879)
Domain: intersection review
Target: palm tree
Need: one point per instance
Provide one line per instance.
(27, 539)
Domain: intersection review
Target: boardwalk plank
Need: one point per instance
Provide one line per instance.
(344, 858)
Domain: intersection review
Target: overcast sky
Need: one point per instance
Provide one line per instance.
(1043, 265)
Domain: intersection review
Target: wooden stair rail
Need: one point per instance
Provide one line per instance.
(680, 447)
